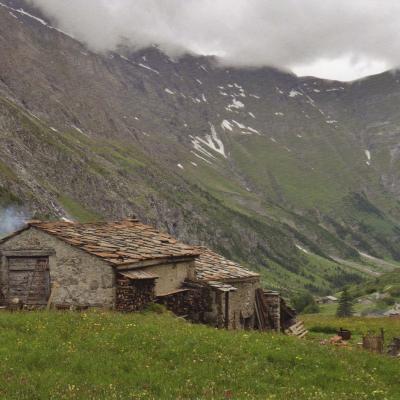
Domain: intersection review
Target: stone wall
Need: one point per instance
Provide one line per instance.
(171, 276)
(83, 280)
(273, 301)
(241, 306)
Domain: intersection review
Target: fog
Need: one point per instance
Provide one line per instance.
(285, 33)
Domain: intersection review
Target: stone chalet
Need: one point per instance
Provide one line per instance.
(124, 266)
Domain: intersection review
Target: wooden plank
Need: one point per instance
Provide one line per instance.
(303, 334)
(28, 279)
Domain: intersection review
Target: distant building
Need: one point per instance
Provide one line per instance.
(394, 312)
(327, 300)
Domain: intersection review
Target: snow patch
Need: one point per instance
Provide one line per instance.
(246, 130)
(41, 21)
(294, 93)
(255, 96)
(368, 154)
(239, 125)
(199, 81)
(226, 125)
(23, 12)
(180, 166)
(236, 104)
(302, 249)
(249, 128)
(334, 89)
(252, 115)
(213, 141)
(78, 129)
(169, 91)
(201, 158)
(279, 114)
(148, 68)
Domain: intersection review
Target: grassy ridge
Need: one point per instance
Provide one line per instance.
(101, 355)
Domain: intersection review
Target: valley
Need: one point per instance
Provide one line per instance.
(295, 178)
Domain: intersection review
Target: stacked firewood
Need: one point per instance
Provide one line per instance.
(134, 295)
(190, 303)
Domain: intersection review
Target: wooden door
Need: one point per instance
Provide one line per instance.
(29, 280)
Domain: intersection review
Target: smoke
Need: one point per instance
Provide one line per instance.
(283, 33)
(12, 219)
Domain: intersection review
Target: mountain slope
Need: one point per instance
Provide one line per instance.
(280, 173)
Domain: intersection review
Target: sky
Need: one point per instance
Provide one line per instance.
(333, 39)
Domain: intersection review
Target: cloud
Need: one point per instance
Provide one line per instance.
(282, 33)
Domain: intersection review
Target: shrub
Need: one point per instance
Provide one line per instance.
(301, 301)
(311, 309)
(323, 329)
(156, 308)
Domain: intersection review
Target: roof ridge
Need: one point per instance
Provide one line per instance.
(121, 242)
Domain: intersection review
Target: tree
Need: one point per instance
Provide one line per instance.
(345, 307)
(305, 302)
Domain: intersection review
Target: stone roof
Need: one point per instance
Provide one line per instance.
(211, 266)
(130, 242)
(118, 243)
(139, 274)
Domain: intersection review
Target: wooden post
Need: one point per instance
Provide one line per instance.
(55, 286)
(226, 310)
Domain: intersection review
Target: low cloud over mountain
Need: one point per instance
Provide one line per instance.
(244, 32)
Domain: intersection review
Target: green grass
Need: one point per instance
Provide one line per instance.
(359, 326)
(104, 355)
(77, 211)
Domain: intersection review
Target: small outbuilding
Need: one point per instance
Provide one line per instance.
(327, 300)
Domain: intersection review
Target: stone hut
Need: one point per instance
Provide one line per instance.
(114, 265)
(124, 266)
(232, 288)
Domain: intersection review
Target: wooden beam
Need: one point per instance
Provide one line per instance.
(28, 253)
(226, 310)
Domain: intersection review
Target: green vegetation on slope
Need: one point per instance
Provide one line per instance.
(99, 355)
(78, 212)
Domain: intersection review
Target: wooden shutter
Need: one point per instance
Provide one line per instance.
(29, 279)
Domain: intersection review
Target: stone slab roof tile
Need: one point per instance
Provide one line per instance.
(211, 267)
(118, 243)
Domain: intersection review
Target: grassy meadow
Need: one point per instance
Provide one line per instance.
(105, 355)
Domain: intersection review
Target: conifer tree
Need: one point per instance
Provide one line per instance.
(345, 307)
